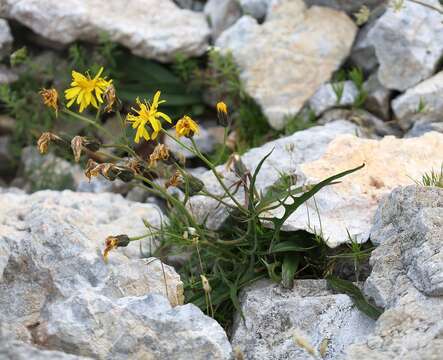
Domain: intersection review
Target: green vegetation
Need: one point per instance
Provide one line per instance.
(432, 178)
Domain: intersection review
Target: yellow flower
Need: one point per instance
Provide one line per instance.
(147, 114)
(222, 114)
(186, 127)
(50, 98)
(221, 107)
(113, 242)
(86, 91)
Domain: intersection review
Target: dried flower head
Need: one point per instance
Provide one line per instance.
(186, 127)
(222, 114)
(147, 114)
(205, 283)
(160, 153)
(86, 90)
(111, 99)
(77, 146)
(113, 242)
(175, 180)
(50, 98)
(44, 141)
(109, 171)
(362, 16)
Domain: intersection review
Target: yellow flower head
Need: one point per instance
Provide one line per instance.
(113, 242)
(222, 114)
(50, 98)
(221, 107)
(86, 91)
(186, 127)
(147, 114)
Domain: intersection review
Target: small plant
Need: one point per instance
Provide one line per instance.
(432, 178)
(357, 77)
(422, 106)
(338, 86)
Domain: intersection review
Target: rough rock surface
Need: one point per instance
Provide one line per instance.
(222, 14)
(378, 98)
(408, 44)
(273, 315)
(204, 140)
(328, 96)
(350, 6)
(7, 76)
(350, 205)
(255, 8)
(406, 107)
(288, 153)
(5, 38)
(54, 282)
(150, 28)
(407, 277)
(421, 128)
(281, 63)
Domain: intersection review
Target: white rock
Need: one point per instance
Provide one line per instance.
(5, 38)
(350, 6)
(204, 140)
(255, 8)
(150, 28)
(222, 14)
(287, 154)
(284, 61)
(408, 44)
(378, 98)
(350, 205)
(407, 277)
(274, 315)
(328, 96)
(427, 93)
(421, 128)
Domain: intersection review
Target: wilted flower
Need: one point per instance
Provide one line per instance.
(77, 146)
(175, 180)
(110, 98)
(50, 98)
(362, 16)
(44, 141)
(160, 153)
(205, 283)
(222, 114)
(147, 114)
(113, 242)
(86, 91)
(109, 171)
(186, 127)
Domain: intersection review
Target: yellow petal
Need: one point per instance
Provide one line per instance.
(72, 92)
(164, 116)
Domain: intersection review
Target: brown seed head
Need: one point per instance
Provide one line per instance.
(50, 98)
(44, 141)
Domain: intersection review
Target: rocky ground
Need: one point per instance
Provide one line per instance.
(60, 300)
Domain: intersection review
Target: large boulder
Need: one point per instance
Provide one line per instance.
(222, 14)
(422, 103)
(281, 63)
(55, 284)
(408, 44)
(277, 319)
(407, 277)
(150, 28)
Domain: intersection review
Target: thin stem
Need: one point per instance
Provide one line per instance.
(88, 121)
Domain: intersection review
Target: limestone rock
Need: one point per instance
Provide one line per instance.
(222, 14)
(18, 350)
(204, 140)
(406, 107)
(421, 128)
(150, 28)
(281, 64)
(350, 205)
(7, 76)
(5, 38)
(287, 154)
(255, 8)
(350, 6)
(407, 277)
(378, 98)
(273, 315)
(132, 328)
(408, 44)
(332, 95)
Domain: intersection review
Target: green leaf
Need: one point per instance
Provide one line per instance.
(289, 245)
(357, 296)
(289, 268)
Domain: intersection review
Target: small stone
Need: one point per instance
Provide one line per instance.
(408, 44)
(222, 14)
(378, 98)
(5, 38)
(255, 8)
(419, 128)
(281, 64)
(349, 6)
(422, 103)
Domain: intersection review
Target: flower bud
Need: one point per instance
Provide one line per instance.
(222, 114)
(113, 242)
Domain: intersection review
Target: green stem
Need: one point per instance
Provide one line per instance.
(88, 121)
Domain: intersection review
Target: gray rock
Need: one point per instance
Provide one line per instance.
(204, 140)
(152, 29)
(407, 109)
(5, 38)
(328, 96)
(370, 126)
(132, 328)
(407, 277)
(137, 194)
(6, 159)
(255, 8)
(281, 64)
(274, 316)
(378, 99)
(419, 128)
(349, 6)
(7, 76)
(408, 44)
(288, 153)
(221, 14)
(195, 5)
